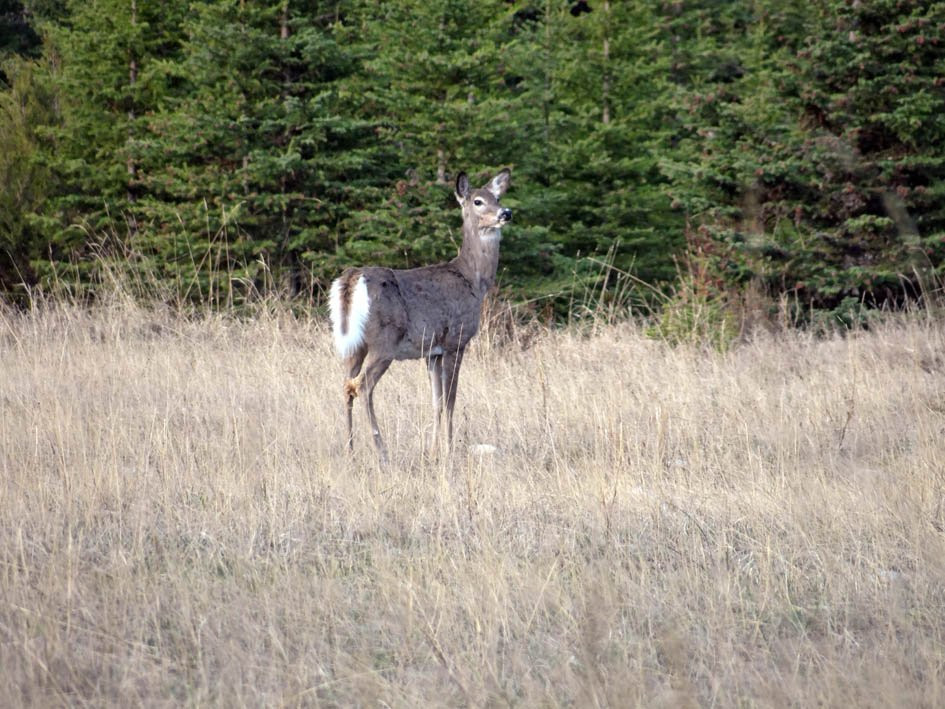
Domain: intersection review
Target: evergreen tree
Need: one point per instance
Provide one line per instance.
(609, 125)
(246, 169)
(20, 28)
(795, 145)
(814, 163)
(431, 86)
(26, 106)
(574, 104)
(102, 58)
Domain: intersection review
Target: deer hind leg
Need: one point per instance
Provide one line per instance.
(373, 370)
(450, 378)
(352, 387)
(435, 369)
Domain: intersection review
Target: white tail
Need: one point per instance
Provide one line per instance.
(348, 312)
(382, 314)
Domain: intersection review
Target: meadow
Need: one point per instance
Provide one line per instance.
(622, 523)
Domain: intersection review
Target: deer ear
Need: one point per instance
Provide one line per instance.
(499, 184)
(462, 187)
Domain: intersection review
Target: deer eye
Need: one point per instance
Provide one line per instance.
(478, 202)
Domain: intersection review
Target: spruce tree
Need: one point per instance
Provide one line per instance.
(26, 107)
(246, 169)
(102, 59)
(814, 162)
(615, 123)
(430, 84)
(574, 104)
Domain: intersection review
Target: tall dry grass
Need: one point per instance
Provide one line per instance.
(656, 527)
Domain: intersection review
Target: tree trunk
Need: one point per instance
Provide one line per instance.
(132, 80)
(605, 89)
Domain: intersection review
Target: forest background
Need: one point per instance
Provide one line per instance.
(778, 156)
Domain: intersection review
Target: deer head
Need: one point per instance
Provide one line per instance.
(482, 213)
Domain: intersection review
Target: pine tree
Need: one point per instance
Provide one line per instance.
(591, 89)
(102, 58)
(26, 106)
(246, 169)
(874, 155)
(573, 104)
(615, 96)
(431, 86)
(814, 163)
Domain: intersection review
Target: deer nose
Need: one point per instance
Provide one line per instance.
(505, 215)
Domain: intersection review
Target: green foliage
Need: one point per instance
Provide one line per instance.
(251, 152)
(819, 159)
(599, 123)
(226, 147)
(100, 62)
(24, 181)
(693, 316)
(429, 88)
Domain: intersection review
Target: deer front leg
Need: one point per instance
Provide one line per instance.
(373, 371)
(435, 369)
(450, 377)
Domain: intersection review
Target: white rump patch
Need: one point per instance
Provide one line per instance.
(347, 342)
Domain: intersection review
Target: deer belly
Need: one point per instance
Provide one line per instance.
(436, 327)
(415, 348)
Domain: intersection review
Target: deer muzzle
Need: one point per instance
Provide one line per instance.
(505, 215)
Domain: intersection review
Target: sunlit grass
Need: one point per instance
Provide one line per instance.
(622, 523)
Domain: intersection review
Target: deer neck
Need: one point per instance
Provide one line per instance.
(478, 258)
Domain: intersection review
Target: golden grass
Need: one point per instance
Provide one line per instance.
(656, 527)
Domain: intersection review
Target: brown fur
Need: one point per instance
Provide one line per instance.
(346, 288)
(353, 386)
(429, 312)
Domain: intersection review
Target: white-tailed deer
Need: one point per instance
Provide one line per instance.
(382, 314)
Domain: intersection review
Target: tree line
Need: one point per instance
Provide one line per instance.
(792, 149)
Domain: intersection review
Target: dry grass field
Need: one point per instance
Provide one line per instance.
(656, 527)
